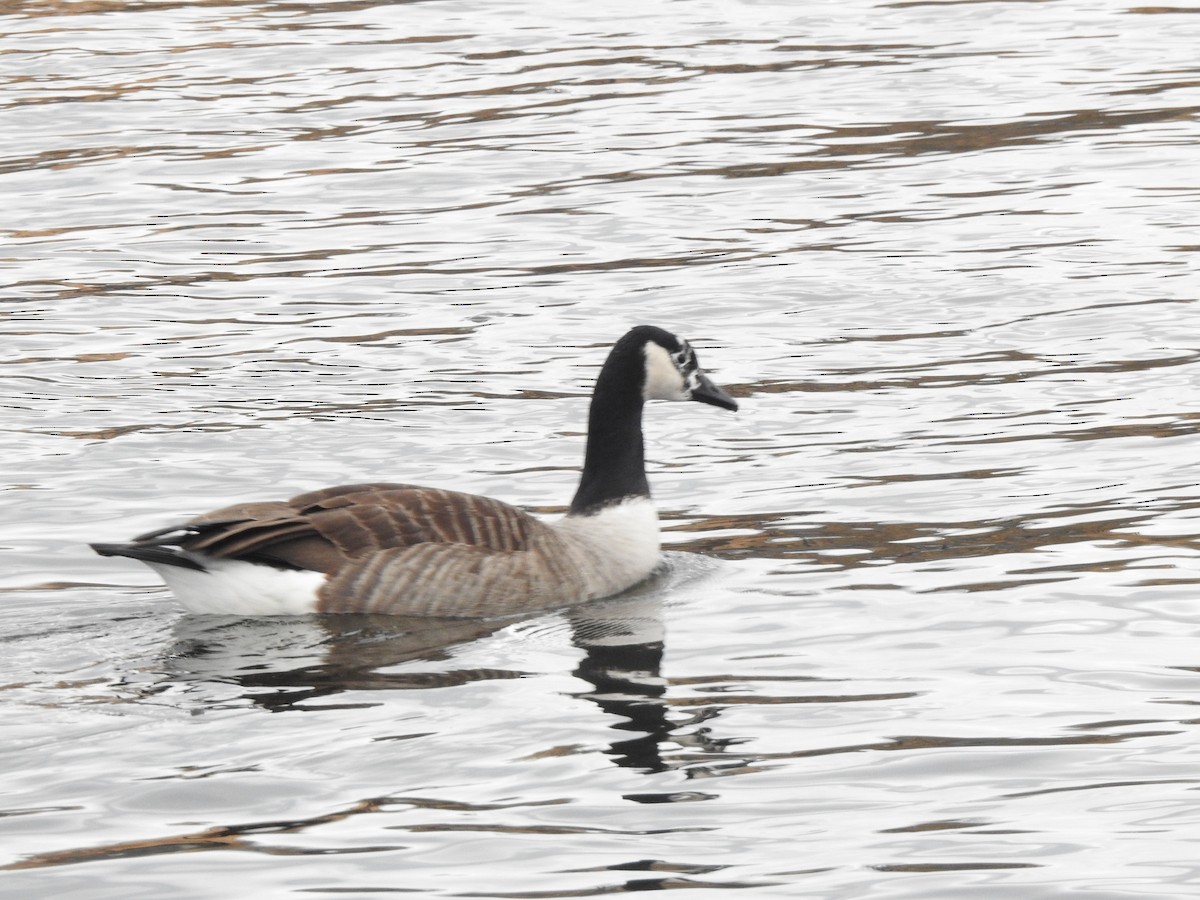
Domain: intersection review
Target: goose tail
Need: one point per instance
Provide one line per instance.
(152, 554)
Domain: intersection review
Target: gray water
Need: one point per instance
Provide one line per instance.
(928, 625)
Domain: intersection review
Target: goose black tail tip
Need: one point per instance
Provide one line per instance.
(150, 553)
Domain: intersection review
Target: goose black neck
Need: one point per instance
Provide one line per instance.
(614, 465)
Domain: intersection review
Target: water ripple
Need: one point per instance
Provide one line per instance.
(931, 595)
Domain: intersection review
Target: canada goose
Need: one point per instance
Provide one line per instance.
(400, 549)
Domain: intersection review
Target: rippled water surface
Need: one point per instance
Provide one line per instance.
(928, 626)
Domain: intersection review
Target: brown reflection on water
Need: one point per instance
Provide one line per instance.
(836, 148)
(42, 8)
(1004, 322)
(777, 536)
(1046, 369)
(244, 837)
(708, 764)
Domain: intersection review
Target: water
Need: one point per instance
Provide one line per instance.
(928, 625)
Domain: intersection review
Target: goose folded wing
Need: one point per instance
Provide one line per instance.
(324, 530)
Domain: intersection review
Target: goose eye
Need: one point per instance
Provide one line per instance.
(685, 358)
(689, 369)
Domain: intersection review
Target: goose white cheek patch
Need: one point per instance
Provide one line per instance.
(663, 379)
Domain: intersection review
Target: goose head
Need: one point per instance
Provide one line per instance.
(672, 371)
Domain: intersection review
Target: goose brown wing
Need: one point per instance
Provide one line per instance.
(323, 530)
(454, 580)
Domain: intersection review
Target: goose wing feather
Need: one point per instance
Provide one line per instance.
(454, 580)
(324, 530)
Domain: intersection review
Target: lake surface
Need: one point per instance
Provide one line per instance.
(928, 625)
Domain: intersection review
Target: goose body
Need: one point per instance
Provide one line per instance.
(402, 549)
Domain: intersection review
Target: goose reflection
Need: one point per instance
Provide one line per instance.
(288, 663)
(283, 663)
(623, 645)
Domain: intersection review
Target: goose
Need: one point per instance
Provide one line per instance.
(406, 550)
